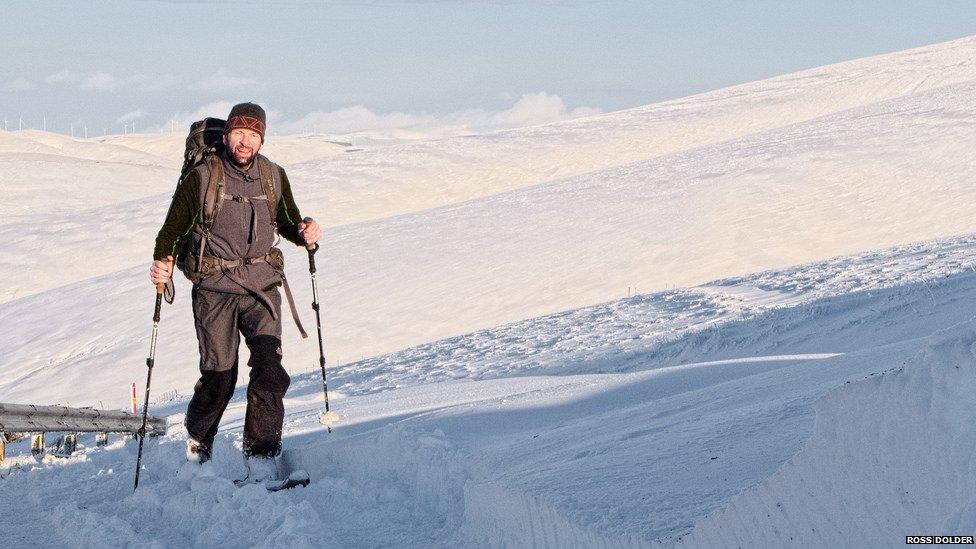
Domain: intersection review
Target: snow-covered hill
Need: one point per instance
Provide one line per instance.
(850, 157)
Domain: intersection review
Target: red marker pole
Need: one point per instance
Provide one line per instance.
(135, 407)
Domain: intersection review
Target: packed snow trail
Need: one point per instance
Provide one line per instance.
(635, 441)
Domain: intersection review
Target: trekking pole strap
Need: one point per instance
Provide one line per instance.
(169, 292)
(291, 305)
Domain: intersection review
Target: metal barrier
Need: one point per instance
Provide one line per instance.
(28, 418)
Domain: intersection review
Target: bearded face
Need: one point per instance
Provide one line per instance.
(243, 145)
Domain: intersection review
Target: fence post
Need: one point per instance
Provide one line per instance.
(66, 445)
(37, 444)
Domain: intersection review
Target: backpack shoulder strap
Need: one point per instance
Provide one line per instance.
(269, 181)
(215, 187)
(211, 174)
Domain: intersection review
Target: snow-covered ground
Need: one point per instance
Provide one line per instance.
(825, 403)
(495, 387)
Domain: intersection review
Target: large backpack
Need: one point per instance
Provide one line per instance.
(205, 139)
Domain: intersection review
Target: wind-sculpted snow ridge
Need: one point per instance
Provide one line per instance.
(891, 455)
(635, 462)
(662, 328)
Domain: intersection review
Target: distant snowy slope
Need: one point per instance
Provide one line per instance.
(53, 146)
(395, 179)
(427, 173)
(420, 175)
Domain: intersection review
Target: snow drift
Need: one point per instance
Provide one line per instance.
(891, 455)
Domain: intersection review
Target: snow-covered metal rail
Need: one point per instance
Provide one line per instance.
(28, 418)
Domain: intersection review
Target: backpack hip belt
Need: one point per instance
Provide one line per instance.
(209, 265)
(222, 264)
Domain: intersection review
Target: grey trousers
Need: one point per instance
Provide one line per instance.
(221, 319)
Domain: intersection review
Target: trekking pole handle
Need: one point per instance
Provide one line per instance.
(311, 251)
(311, 258)
(160, 288)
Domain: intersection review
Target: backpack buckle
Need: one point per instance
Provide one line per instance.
(237, 198)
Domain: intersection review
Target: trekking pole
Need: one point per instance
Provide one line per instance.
(328, 417)
(149, 362)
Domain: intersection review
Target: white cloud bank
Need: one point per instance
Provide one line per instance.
(63, 77)
(100, 81)
(531, 109)
(182, 121)
(130, 116)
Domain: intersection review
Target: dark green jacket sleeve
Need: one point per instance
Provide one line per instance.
(180, 219)
(288, 215)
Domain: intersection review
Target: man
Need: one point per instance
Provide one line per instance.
(235, 271)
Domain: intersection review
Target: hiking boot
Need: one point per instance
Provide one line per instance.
(196, 451)
(260, 469)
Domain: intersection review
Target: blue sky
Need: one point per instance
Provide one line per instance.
(352, 63)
